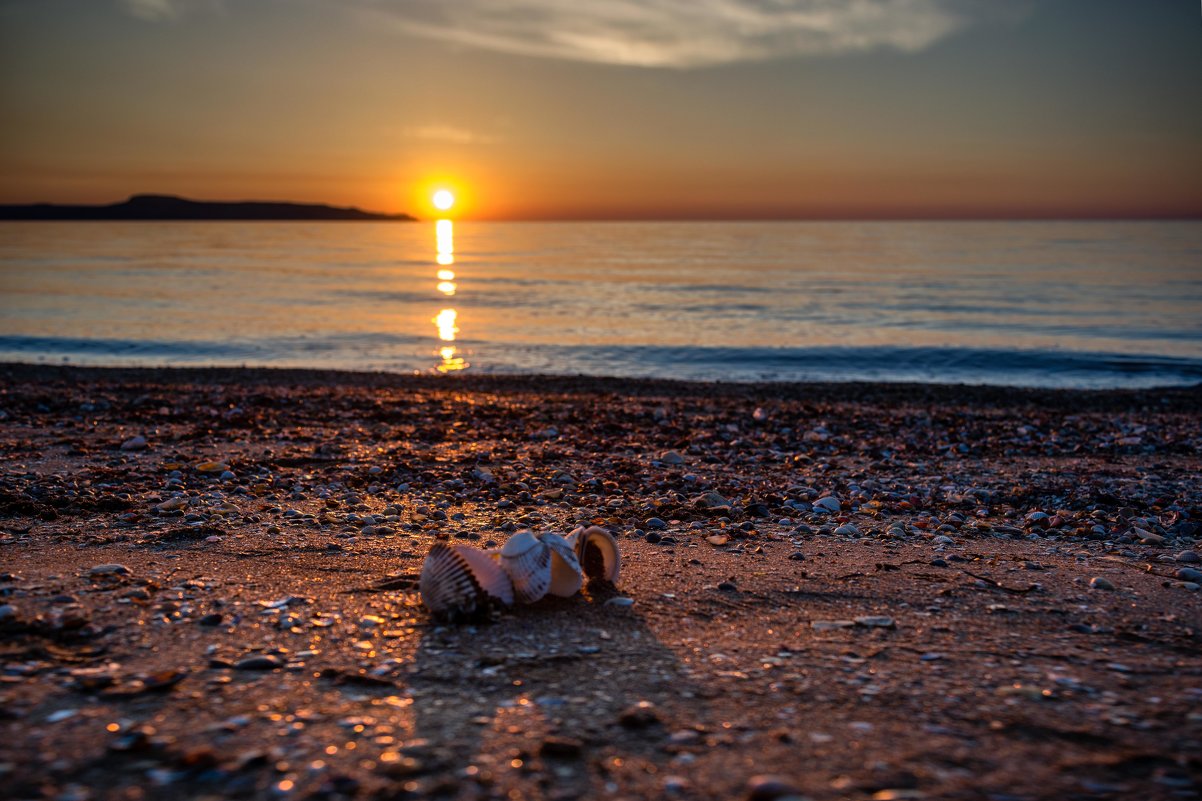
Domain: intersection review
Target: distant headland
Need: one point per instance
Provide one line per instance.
(169, 207)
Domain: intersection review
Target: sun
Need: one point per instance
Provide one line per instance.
(443, 200)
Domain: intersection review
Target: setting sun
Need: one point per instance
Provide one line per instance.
(443, 200)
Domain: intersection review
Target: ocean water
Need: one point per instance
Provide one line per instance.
(1051, 304)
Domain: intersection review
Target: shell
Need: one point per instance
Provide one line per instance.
(566, 575)
(527, 560)
(597, 551)
(459, 582)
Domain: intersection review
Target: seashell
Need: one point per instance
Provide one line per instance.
(566, 575)
(597, 551)
(460, 582)
(527, 560)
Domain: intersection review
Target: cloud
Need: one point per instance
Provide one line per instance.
(449, 134)
(155, 10)
(688, 33)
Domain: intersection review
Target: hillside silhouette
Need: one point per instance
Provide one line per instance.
(170, 207)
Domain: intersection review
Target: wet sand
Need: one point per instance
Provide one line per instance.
(208, 589)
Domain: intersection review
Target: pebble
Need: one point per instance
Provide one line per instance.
(258, 662)
(770, 788)
(671, 457)
(828, 504)
(620, 602)
(110, 570)
(1100, 583)
(639, 716)
(848, 530)
(561, 747)
(710, 500)
(137, 443)
(1188, 557)
(655, 522)
(830, 625)
(8, 614)
(1189, 574)
(943, 539)
(875, 622)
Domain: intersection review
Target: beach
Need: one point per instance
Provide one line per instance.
(836, 591)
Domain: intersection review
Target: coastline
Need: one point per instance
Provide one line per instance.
(997, 609)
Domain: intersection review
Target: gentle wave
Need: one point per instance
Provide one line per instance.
(399, 353)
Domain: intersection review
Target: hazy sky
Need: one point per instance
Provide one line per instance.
(629, 108)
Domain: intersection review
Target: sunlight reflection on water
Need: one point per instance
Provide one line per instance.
(738, 301)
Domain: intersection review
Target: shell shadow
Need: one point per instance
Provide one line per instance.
(566, 695)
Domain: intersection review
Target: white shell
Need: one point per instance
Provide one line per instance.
(527, 560)
(458, 581)
(597, 551)
(566, 576)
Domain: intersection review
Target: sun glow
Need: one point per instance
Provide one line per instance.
(443, 200)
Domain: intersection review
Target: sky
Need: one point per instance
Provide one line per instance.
(627, 109)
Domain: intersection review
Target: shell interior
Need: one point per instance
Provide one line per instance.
(597, 552)
(566, 575)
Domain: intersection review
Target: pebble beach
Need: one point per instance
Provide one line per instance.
(208, 589)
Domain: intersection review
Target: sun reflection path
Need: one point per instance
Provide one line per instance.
(445, 321)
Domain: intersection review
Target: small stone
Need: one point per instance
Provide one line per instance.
(717, 539)
(1189, 574)
(655, 522)
(671, 457)
(728, 586)
(828, 504)
(137, 443)
(561, 747)
(943, 539)
(1188, 557)
(797, 556)
(770, 788)
(875, 622)
(8, 614)
(620, 602)
(653, 537)
(639, 716)
(848, 530)
(213, 619)
(110, 570)
(212, 467)
(710, 500)
(1147, 537)
(1100, 583)
(172, 504)
(258, 662)
(831, 625)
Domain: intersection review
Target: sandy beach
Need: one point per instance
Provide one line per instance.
(839, 591)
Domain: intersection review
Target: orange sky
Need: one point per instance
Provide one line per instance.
(530, 109)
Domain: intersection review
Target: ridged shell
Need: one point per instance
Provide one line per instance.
(527, 560)
(460, 582)
(566, 576)
(597, 552)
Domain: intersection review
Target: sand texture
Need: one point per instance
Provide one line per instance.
(208, 589)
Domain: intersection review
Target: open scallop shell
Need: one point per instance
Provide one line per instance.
(566, 576)
(597, 552)
(461, 582)
(527, 560)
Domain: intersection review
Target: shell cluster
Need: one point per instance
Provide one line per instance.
(459, 582)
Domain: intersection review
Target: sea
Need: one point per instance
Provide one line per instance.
(1033, 304)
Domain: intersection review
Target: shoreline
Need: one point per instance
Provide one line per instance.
(862, 591)
(1181, 398)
